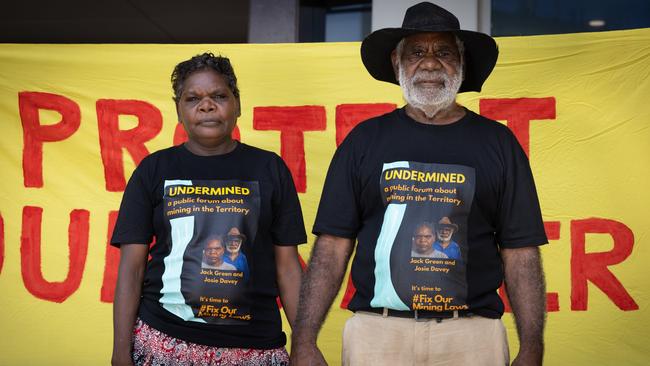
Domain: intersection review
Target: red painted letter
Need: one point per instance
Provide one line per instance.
(349, 115)
(292, 122)
(519, 112)
(35, 134)
(593, 266)
(350, 290)
(30, 254)
(112, 139)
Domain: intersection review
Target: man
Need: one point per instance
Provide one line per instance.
(234, 256)
(406, 313)
(444, 231)
(423, 243)
(213, 255)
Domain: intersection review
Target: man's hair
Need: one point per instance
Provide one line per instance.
(399, 49)
(206, 61)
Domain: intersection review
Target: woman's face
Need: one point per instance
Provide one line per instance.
(208, 110)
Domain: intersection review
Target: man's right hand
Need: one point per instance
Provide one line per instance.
(306, 354)
(121, 360)
(327, 265)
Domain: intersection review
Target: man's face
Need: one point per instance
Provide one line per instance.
(234, 243)
(213, 252)
(423, 240)
(445, 233)
(429, 69)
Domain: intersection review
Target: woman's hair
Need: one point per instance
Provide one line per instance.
(205, 61)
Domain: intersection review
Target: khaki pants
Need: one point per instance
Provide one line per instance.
(372, 339)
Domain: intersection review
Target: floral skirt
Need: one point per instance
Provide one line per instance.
(155, 348)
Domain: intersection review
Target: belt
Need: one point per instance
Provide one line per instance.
(421, 315)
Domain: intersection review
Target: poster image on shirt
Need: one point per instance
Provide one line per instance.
(213, 224)
(422, 248)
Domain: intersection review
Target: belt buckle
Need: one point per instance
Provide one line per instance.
(438, 319)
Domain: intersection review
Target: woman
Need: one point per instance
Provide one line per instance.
(168, 310)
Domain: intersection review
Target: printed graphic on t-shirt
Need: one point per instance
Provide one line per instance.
(213, 225)
(422, 246)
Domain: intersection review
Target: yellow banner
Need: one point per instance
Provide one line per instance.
(77, 118)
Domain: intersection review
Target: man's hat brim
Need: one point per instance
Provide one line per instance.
(481, 53)
(453, 226)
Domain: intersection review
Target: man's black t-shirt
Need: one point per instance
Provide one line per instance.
(469, 181)
(192, 205)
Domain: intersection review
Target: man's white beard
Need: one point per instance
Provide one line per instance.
(430, 100)
(444, 237)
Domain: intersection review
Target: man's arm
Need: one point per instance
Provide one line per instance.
(527, 293)
(327, 265)
(289, 275)
(133, 260)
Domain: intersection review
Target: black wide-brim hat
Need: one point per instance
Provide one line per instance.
(481, 51)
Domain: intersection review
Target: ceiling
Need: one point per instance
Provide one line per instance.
(124, 21)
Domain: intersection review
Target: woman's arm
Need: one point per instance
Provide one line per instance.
(289, 276)
(130, 277)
